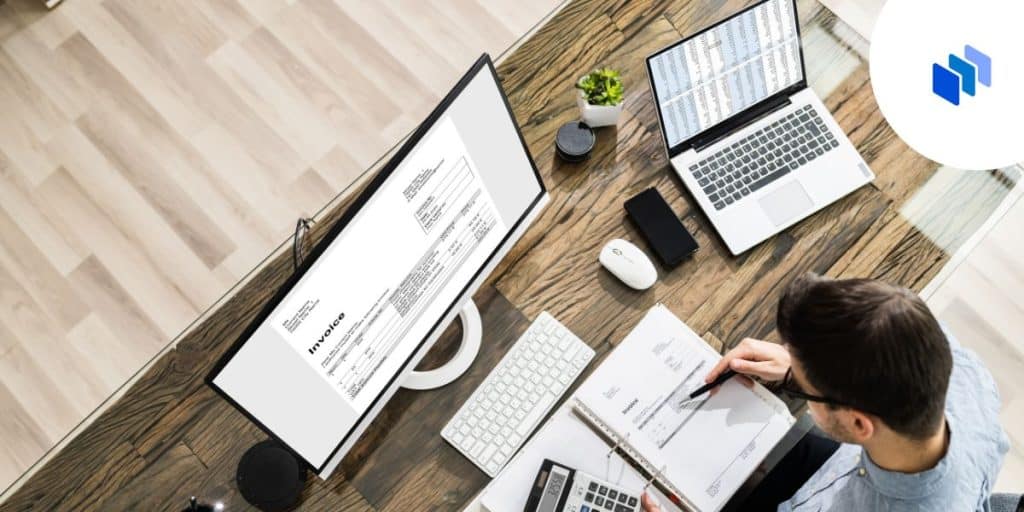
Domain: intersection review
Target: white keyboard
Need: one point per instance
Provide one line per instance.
(491, 426)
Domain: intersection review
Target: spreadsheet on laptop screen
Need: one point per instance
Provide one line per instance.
(714, 75)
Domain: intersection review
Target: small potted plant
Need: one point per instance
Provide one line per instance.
(600, 97)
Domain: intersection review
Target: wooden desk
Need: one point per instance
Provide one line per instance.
(170, 436)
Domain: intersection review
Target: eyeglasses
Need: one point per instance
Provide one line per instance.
(792, 389)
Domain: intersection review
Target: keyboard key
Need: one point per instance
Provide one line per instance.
(719, 205)
(761, 183)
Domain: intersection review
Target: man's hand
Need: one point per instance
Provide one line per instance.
(757, 358)
(650, 503)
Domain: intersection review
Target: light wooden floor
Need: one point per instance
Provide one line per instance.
(153, 151)
(982, 301)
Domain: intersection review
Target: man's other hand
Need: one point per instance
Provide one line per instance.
(650, 503)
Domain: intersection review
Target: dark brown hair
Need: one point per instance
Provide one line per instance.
(872, 345)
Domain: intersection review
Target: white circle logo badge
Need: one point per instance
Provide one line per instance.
(948, 76)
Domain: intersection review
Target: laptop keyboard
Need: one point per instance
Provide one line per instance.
(763, 157)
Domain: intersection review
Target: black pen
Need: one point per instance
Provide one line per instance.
(726, 375)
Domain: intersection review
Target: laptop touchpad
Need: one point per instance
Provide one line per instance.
(785, 203)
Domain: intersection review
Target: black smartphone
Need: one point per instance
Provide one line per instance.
(664, 232)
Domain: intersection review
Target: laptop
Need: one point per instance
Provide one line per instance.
(751, 141)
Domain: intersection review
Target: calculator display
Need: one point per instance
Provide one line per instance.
(557, 479)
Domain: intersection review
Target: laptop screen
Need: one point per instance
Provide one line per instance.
(708, 78)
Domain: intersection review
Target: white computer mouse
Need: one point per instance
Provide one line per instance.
(628, 263)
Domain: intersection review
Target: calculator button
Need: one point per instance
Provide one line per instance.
(599, 501)
(612, 494)
(603, 491)
(632, 501)
(593, 487)
(622, 508)
(589, 497)
(584, 508)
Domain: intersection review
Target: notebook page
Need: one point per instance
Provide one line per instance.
(707, 447)
(565, 439)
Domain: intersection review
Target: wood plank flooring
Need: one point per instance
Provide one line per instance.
(153, 151)
(982, 300)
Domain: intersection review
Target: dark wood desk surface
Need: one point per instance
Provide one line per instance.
(170, 436)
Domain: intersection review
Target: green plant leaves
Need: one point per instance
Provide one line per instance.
(601, 87)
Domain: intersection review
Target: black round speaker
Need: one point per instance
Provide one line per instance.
(574, 141)
(269, 477)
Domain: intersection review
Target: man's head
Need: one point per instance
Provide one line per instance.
(874, 347)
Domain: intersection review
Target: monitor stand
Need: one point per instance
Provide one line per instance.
(472, 333)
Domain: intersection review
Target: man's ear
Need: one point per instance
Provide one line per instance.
(860, 426)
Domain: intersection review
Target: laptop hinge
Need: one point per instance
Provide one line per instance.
(742, 120)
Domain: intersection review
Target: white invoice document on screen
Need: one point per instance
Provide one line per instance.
(381, 285)
(703, 449)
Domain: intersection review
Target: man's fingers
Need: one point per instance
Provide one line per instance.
(737, 353)
(746, 381)
(650, 503)
(756, 368)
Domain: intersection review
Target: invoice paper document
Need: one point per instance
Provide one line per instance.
(349, 324)
(703, 449)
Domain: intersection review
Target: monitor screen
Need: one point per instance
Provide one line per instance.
(336, 341)
(726, 69)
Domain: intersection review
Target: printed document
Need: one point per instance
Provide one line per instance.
(704, 448)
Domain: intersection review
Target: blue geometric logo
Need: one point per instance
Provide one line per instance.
(962, 75)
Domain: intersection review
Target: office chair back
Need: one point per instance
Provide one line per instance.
(1004, 502)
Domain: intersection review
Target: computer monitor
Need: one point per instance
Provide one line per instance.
(334, 344)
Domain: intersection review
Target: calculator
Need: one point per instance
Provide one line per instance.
(559, 488)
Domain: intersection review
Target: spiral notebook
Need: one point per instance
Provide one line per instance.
(700, 450)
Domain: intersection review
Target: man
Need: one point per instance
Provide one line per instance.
(914, 416)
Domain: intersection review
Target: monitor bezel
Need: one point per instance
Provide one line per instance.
(484, 61)
(738, 119)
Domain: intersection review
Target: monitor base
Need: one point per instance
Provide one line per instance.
(472, 334)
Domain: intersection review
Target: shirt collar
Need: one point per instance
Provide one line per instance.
(910, 485)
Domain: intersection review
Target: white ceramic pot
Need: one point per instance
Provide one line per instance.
(598, 115)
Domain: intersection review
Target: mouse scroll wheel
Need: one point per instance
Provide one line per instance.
(617, 252)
